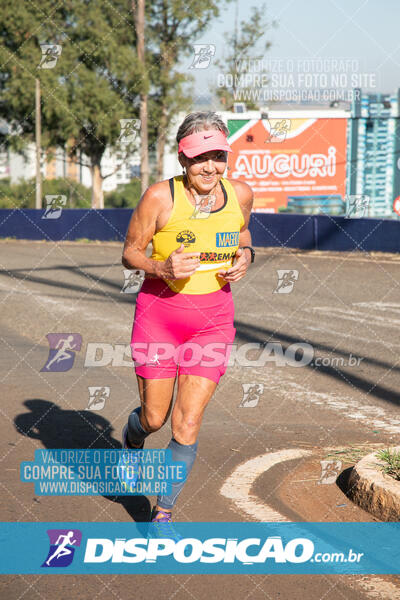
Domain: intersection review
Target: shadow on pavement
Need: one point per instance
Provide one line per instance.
(100, 286)
(70, 429)
(251, 333)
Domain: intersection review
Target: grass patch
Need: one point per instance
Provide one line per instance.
(352, 454)
(391, 459)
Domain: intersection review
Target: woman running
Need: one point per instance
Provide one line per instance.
(183, 326)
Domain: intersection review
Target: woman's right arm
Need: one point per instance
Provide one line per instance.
(141, 230)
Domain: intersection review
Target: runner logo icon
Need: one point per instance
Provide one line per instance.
(97, 397)
(133, 281)
(286, 280)
(251, 394)
(55, 204)
(203, 54)
(50, 54)
(62, 547)
(62, 351)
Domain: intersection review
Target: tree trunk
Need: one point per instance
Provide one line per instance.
(144, 151)
(161, 142)
(97, 187)
(144, 144)
(38, 202)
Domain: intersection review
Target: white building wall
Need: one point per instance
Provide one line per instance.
(22, 167)
(4, 165)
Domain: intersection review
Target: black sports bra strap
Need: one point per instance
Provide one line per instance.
(171, 187)
(224, 192)
(225, 199)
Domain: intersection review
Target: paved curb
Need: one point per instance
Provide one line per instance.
(373, 490)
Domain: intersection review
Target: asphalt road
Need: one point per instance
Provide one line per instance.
(341, 399)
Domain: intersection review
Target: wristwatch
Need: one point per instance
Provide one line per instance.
(251, 251)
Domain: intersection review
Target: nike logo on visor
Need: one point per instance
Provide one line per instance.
(206, 137)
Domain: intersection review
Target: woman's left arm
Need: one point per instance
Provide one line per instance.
(244, 194)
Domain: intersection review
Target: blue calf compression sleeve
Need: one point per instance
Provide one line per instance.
(136, 433)
(187, 454)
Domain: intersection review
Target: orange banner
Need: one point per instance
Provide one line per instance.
(288, 157)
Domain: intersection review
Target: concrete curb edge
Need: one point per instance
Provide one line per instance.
(373, 490)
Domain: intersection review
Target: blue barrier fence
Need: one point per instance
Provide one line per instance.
(72, 224)
(306, 232)
(321, 232)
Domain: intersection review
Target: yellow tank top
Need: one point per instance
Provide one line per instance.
(215, 235)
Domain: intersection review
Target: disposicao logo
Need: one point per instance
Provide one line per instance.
(62, 547)
(191, 550)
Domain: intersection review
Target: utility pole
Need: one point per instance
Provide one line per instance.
(139, 16)
(235, 56)
(38, 201)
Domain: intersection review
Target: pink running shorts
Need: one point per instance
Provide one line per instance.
(190, 331)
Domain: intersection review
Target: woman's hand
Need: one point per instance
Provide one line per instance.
(179, 264)
(239, 269)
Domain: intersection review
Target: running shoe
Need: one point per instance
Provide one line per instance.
(127, 464)
(162, 526)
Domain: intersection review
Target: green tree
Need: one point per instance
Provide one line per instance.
(172, 28)
(242, 65)
(95, 82)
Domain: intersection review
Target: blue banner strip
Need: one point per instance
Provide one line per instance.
(205, 548)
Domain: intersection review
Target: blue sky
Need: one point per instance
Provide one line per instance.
(365, 30)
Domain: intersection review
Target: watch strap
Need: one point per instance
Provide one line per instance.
(251, 251)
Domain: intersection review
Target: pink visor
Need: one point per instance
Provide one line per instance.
(203, 141)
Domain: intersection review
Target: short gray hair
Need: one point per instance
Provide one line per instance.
(200, 121)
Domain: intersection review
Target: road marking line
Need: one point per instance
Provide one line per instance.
(357, 316)
(238, 486)
(379, 588)
(385, 306)
(348, 407)
(309, 323)
(370, 416)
